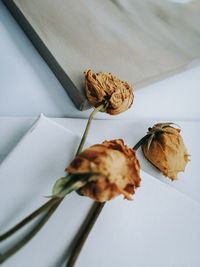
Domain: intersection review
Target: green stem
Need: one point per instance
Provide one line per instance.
(141, 142)
(88, 127)
(29, 236)
(97, 208)
(29, 218)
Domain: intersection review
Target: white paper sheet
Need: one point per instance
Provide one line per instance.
(26, 177)
(159, 228)
(131, 131)
(156, 229)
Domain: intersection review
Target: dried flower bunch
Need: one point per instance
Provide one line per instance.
(104, 171)
(106, 88)
(164, 148)
(115, 169)
(107, 94)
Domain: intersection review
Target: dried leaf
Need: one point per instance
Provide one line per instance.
(60, 183)
(163, 124)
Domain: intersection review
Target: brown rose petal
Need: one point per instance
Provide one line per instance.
(104, 86)
(168, 153)
(115, 162)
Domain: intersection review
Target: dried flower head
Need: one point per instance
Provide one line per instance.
(164, 148)
(106, 88)
(114, 167)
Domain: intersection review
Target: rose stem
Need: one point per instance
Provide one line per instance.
(140, 142)
(47, 204)
(53, 200)
(88, 127)
(97, 208)
(29, 218)
(28, 237)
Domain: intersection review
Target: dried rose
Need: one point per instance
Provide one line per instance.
(164, 148)
(115, 169)
(106, 88)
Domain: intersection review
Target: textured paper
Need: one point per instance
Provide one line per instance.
(139, 41)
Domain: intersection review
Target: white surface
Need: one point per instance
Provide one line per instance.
(131, 131)
(28, 87)
(156, 229)
(159, 228)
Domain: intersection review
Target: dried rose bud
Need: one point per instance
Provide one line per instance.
(164, 148)
(106, 88)
(115, 169)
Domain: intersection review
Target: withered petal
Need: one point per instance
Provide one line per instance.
(113, 160)
(168, 152)
(106, 87)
